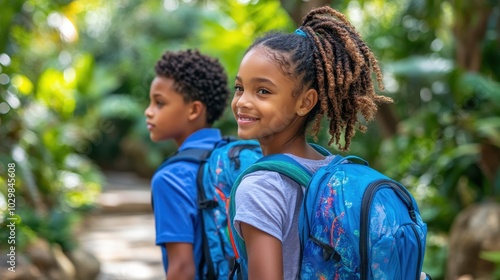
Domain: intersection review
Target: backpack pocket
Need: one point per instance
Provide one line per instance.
(398, 256)
(395, 234)
(329, 232)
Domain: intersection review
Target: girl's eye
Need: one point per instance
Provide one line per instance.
(263, 91)
(238, 88)
(159, 103)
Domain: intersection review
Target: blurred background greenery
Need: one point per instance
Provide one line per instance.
(75, 74)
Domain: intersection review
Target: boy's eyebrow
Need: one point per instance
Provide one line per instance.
(258, 80)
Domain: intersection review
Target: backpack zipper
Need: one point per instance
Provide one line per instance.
(329, 252)
(365, 209)
(419, 249)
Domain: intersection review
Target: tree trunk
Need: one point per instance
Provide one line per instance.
(476, 229)
(297, 9)
(470, 27)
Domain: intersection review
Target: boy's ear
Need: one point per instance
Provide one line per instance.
(196, 110)
(306, 102)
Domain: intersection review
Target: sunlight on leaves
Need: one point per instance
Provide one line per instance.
(23, 84)
(57, 92)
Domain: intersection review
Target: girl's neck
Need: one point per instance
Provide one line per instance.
(296, 146)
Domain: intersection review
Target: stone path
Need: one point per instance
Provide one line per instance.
(121, 235)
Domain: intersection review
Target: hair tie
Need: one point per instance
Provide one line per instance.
(299, 31)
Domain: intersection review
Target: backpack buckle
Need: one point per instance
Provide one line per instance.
(208, 204)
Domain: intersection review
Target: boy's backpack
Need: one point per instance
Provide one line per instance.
(218, 169)
(355, 223)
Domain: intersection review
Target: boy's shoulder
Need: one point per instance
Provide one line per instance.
(204, 138)
(187, 158)
(174, 172)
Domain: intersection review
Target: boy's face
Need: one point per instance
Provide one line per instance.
(167, 113)
(263, 103)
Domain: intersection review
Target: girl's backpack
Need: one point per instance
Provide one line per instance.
(218, 170)
(355, 223)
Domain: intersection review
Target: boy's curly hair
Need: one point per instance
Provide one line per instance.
(198, 78)
(330, 57)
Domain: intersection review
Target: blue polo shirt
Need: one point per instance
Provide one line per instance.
(175, 198)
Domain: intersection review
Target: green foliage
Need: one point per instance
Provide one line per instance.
(57, 227)
(436, 253)
(493, 257)
(75, 76)
(228, 31)
(42, 126)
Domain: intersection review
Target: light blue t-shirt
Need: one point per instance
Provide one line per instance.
(271, 202)
(175, 198)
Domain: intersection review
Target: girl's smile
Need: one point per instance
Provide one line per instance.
(245, 119)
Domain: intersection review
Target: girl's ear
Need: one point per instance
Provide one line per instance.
(196, 110)
(306, 102)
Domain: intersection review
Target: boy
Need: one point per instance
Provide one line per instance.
(188, 94)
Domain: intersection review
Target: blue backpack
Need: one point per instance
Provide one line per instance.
(218, 170)
(355, 223)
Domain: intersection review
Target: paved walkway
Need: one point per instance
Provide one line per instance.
(121, 235)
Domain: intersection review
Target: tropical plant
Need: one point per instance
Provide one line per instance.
(43, 122)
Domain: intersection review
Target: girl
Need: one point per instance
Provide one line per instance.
(286, 82)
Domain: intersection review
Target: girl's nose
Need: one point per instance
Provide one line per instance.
(243, 100)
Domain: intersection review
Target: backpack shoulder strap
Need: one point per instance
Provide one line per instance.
(284, 165)
(190, 155)
(287, 166)
(279, 163)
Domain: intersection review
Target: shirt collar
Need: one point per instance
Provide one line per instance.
(204, 138)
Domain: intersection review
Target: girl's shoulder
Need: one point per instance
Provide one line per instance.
(312, 164)
(265, 183)
(263, 178)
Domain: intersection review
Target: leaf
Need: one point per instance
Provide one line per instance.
(484, 87)
(23, 84)
(492, 256)
(57, 91)
(84, 67)
(120, 106)
(429, 67)
(490, 128)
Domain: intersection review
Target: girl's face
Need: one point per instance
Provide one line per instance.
(263, 103)
(167, 113)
